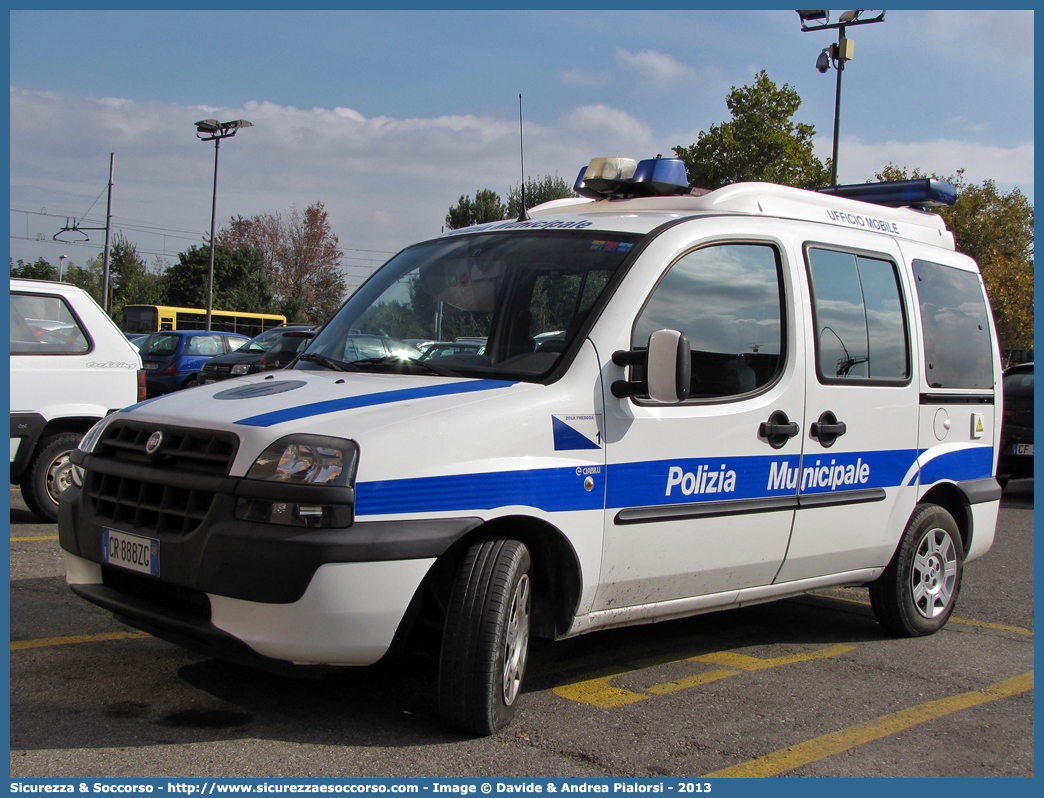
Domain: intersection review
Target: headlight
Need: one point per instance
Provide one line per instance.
(87, 444)
(90, 440)
(240, 369)
(303, 461)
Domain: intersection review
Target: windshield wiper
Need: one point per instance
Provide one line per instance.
(328, 362)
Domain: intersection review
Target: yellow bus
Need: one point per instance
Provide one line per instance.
(153, 318)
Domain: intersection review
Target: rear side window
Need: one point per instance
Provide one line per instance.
(858, 312)
(958, 352)
(728, 300)
(45, 325)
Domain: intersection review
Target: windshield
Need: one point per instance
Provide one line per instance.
(519, 299)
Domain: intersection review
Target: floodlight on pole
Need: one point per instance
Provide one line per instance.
(212, 130)
(835, 55)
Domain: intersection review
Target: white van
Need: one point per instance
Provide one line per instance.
(70, 366)
(757, 392)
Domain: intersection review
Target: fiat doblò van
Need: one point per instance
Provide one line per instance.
(750, 393)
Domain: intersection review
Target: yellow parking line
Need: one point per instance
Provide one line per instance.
(795, 756)
(731, 659)
(598, 693)
(966, 621)
(20, 645)
(39, 537)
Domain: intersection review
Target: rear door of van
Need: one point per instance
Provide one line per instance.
(859, 431)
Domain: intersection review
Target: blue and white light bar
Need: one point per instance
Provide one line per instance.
(617, 178)
(921, 193)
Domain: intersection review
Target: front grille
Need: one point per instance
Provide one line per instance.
(211, 369)
(146, 504)
(195, 450)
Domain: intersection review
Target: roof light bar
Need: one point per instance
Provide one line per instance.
(921, 193)
(615, 177)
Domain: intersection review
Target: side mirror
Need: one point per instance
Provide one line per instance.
(667, 368)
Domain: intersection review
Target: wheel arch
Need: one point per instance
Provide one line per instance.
(556, 574)
(952, 499)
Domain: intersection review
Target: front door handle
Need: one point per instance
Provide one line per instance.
(827, 429)
(778, 429)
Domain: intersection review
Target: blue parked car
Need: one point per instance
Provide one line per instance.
(173, 359)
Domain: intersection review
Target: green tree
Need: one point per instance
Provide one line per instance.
(239, 281)
(301, 256)
(996, 229)
(761, 142)
(39, 269)
(89, 278)
(487, 207)
(544, 189)
(132, 282)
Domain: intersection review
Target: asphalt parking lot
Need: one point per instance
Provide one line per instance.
(807, 687)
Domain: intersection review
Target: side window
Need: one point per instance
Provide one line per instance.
(958, 352)
(728, 300)
(45, 325)
(858, 312)
(206, 345)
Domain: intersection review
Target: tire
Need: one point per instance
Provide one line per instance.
(485, 643)
(916, 594)
(48, 474)
(191, 382)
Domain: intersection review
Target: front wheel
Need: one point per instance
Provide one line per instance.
(48, 474)
(917, 592)
(485, 643)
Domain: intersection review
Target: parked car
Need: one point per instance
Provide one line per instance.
(1016, 449)
(364, 347)
(272, 349)
(70, 367)
(136, 338)
(444, 349)
(173, 358)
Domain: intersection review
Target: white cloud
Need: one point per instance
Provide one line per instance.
(581, 77)
(659, 70)
(1009, 167)
(386, 182)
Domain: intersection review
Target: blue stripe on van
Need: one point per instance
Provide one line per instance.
(973, 462)
(370, 400)
(549, 489)
(646, 484)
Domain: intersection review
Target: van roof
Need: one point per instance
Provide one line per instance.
(642, 214)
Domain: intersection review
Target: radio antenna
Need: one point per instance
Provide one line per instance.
(522, 216)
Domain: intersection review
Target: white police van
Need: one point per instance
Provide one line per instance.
(748, 394)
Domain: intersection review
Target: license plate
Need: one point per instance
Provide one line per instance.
(151, 366)
(1023, 448)
(130, 551)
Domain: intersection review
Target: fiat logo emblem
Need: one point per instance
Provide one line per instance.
(154, 443)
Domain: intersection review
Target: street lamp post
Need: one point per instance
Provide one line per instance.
(835, 54)
(61, 264)
(212, 130)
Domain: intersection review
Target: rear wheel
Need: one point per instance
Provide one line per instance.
(485, 644)
(48, 474)
(917, 592)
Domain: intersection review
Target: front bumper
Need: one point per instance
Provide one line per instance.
(348, 615)
(245, 590)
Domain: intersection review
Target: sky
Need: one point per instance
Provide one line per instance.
(388, 117)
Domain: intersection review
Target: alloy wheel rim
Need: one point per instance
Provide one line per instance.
(516, 644)
(934, 574)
